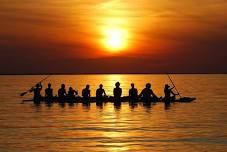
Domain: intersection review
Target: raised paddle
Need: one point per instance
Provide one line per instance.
(173, 85)
(24, 93)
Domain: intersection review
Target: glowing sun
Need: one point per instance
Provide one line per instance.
(115, 39)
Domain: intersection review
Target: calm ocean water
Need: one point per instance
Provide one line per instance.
(182, 127)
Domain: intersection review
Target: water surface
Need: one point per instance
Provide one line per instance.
(183, 127)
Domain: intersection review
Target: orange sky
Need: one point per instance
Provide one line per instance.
(79, 29)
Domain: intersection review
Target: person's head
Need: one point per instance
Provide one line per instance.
(70, 88)
(117, 84)
(132, 85)
(63, 86)
(87, 86)
(49, 85)
(148, 85)
(37, 85)
(167, 86)
(101, 86)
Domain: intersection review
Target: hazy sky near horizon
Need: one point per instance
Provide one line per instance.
(79, 36)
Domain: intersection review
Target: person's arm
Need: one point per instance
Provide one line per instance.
(76, 92)
(141, 93)
(114, 92)
(174, 93)
(32, 89)
(104, 92)
(129, 93)
(172, 88)
(153, 94)
(89, 93)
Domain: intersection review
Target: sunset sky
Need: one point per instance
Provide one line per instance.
(113, 36)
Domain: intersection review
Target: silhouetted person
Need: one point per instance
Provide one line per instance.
(62, 92)
(147, 94)
(37, 92)
(133, 93)
(169, 94)
(100, 92)
(117, 91)
(86, 92)
(72, 93)
(49, 92)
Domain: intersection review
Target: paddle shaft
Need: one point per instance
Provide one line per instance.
(173, 85)
(22, 94)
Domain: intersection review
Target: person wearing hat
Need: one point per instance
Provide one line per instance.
(169, 94)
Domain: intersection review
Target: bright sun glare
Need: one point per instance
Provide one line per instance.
(115, 39)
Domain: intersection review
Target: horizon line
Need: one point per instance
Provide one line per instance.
(2, 74)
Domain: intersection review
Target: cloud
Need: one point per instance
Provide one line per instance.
(59, 36)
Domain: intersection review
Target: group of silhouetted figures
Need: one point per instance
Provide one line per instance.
(146, 94)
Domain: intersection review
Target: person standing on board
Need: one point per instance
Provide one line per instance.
(133, 93)
(72, 93)
(147, 94)
(100, 92)
(49, 92)
(37, 92)
(86, 93)
(169, 94)
(117, 91)
(62, 92)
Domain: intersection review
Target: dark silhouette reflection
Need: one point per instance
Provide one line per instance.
(99, 105)
(133, 105)
(37, 107)
(167, 106)
(49, 104)
(117, 106)
(37, 103)
(61, 104)
(86, 105)
(71, 104)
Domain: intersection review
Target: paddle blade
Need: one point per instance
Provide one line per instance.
(22, 94)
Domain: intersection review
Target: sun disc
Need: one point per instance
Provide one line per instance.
(115, 39)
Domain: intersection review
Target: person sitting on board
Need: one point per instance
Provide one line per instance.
(117, 91)
(49, 92)
(169, 94)
(100, 92)
(72, 93)
(133, 93)
(37, 91)
(62, 92)
(147, 94)
(86, 92)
